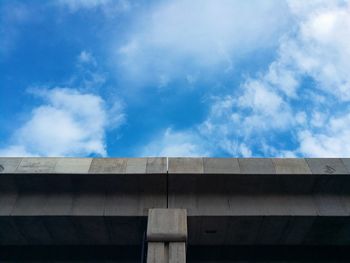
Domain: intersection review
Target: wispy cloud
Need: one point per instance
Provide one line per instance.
(173, 39)
(331, 141)
(175, 144)
(277, 105)
(108, 7)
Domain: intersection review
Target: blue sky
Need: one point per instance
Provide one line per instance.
(175, 78)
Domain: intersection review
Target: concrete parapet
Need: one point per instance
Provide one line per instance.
(326, 166)
(162, 165)
(346, 162)
(108, 165)
(186, 166)
(256, 166)
(291, 166)
(73, 165)
(221, 166)
(37, 165)
(9, 165)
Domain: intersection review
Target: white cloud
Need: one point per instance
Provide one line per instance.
(15, 151)
(176, 144)
(276, 102)
(69, 123)
(332, 141)
(174, 37)
(89, 75)
(86, 57)
(323, 50)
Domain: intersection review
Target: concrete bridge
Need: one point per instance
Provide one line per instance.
(202, 209)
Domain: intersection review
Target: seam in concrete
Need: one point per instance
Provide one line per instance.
(167, 165)
(167, 182)
(307, 165)
(346, 168)
(167, 185)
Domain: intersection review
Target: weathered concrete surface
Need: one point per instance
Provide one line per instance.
(248, 166)
(256, 166)
(156, 166)
(73, 165)
(177, 252)
(9, 165)
(221, 166)
(81, 195)
(298, 195)
(346, 162)
(167, 235)
(167, 225)
(326, 166)
(37, 165)
(108, 165)
(136, 165)
(157, 253)
(291, 166)
(186, 165)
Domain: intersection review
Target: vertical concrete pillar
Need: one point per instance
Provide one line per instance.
(167, 235)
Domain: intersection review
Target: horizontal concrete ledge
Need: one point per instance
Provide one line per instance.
(163, 165)
(202, 230)
(53, 165)
(197, 253)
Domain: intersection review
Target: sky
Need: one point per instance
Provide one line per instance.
(219, 78)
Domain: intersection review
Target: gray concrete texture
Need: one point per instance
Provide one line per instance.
(83, 165)
(172, 252)
(164, 165)
(268, 230)
(71, 230)
(177, 252)
(81, 195)
(167, 225)
(157, 253)
(202, 230)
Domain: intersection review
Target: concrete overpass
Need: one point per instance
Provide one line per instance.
(61, 209)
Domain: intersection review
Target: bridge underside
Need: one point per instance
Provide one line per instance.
(56, 209)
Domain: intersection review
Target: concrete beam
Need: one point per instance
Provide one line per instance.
(157, 252)
(177, 252)
(223, 198)
(167, 225)
(167, 235)
(81, 195)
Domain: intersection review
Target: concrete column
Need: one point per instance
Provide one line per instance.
(167, 235)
